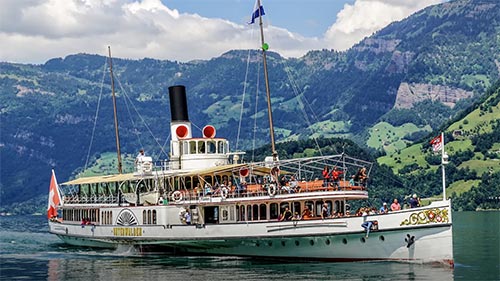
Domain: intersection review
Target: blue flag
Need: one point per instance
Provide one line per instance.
(259, 12)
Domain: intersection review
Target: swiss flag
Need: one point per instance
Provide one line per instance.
(437, 143)
(54, 197)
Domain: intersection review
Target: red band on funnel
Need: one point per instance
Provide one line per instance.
(209, 131)
(182, 131)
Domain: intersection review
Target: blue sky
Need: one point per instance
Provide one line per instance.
(307, 17)
(34, 31)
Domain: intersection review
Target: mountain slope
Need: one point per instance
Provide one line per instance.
(472, 142)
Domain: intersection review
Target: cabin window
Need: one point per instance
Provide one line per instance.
(242, 213)
(220, 145)
(144, 217)
(211, 148)
(318, 207)
(283, 206)
(249, 212)
(255, 215)
(273, 211)
(225, 213)
(336, 207)
(310, 205)
(154, 217)
(263, 212)
(192, 147)
(149, 216)
(330, 205)
(296, 208)
(231, 213)
(201, 147)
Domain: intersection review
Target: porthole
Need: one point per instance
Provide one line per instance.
(283, 243)
(311, 242)
(327, 242)
(297, 243)
(362, 239)
(270, 243)
(381, 238)
(257, 244)
(344, 241)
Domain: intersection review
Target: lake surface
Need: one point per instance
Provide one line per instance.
(29, 252)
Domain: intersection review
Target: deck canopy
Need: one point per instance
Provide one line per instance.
(229, 169)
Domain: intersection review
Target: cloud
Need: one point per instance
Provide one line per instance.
(364, 17)
(33, 31)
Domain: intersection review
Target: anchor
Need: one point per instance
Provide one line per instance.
(409, 240)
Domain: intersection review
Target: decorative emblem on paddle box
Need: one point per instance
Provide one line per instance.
(427, 216)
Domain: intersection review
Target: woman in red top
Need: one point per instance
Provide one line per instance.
(326, 176)
(336, 176)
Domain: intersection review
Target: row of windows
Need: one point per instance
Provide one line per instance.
(90, 215)
(149, 217)
(204, 146)
(107, 217)
(272, 211)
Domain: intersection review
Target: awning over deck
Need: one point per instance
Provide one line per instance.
(99, 179)
(226, 169)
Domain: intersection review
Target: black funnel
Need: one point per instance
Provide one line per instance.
(178, 103)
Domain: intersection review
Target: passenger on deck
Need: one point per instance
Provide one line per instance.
(199, 190)
(294, 185)
(384, 209)
(296, 216)
(139, 156)
(336, 177)
(324, 211)
(306, 214)
(187, 217)
(208, 189)
(395, 205)
(283, 181)
(351, 181)
(326, 176)
(216, 189)
(362, 177)
(287, 215)
(367, 225)
(414, 201)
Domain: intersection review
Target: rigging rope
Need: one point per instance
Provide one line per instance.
(140, 117)
(96, 113)
(243, 100)
(255, 112)
(302, 101)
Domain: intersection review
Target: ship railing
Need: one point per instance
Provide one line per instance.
(254, 190)
(90, 199)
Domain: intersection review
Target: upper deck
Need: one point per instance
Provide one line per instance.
(292, 179)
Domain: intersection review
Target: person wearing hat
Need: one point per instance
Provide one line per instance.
(414, 201)
(139, 156)
(384, 209)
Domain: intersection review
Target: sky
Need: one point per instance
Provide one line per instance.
(34, 31)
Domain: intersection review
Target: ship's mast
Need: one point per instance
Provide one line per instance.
(266, 77)
(117, 134)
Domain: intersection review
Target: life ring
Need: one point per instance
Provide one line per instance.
(272, 190)
(177, 196)
(224, 192)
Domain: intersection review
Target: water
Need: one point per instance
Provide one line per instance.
(28, 252)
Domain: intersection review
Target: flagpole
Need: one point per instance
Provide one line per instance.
(444, 161)
(266, 78)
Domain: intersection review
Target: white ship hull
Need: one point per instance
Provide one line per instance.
(338, 239)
